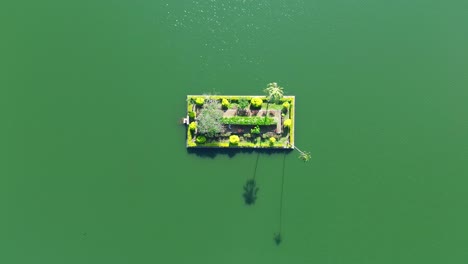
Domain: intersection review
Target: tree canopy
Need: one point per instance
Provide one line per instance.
(209, 118)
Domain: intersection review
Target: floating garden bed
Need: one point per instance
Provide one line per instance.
(240, 121)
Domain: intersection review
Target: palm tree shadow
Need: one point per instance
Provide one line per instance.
(250, 192)
(277, 238)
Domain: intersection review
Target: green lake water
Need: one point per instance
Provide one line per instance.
(93, 164)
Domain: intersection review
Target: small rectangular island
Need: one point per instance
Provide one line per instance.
(239, 121)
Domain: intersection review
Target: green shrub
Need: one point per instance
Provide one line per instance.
(243, 103)
(193, 126)
(255, 130)
(200, 139)
(200, 101)
(225, 103)
(234, 139)
(287, 123)
(256, 102)
(192, 115)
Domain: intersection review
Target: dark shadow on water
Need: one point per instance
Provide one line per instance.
(277, 238)
(231, 152)
(250, 192)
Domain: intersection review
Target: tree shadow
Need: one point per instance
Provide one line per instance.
(250, 192)
(277, 238)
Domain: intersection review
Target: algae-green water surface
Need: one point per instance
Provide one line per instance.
(93, 165)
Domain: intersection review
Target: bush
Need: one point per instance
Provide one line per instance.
(225, 103)
(286, 106)
(193, 126)
(234, 139)
(272, 140)
(256, 102)
(200, 101)
(242, 107)
(255, 130)
(200, 139)
(287, 123)
(192, 115)
(243, 103)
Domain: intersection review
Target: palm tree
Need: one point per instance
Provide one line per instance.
(274, 94)
(303, 155)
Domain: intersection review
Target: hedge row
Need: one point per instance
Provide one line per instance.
(248, 120)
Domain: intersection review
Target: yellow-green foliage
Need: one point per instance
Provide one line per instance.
(272, 140)
(256, 102)
(233, 98)
(286, 105)
(287, 123)
(225, 103)
(189, 135)
(234, 139)
(200, 101)
(193, 126)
